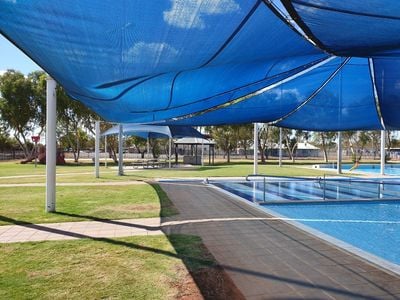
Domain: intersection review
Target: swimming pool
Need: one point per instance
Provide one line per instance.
(390, 169)
(359, 218)
(300, 189)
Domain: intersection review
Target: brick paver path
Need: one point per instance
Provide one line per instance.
(74, 230)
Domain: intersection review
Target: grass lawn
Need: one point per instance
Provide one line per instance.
(77, 203)
(69, 174)
(123, 268)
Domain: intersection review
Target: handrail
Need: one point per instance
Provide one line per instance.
(344, 179)
(344, 182)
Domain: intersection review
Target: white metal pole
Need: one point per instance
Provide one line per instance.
(202, 152)
(120, 152)
(280, 146)
(51, 144)
(383, 152)
(169, 152)
(339, 153)
(105, 150)
(148, 148)
(36, 154)
(97, 150)
(255, 143)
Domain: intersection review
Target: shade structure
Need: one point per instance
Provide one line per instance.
(203, 62)
(154, 131)
(194, 141)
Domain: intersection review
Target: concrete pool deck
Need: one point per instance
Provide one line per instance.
(268, 258)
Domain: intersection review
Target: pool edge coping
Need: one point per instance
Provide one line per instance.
(369, 258)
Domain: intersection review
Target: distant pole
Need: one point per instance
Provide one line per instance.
(383, 152)
(36, 154)
(97, 149)
(105, 150)
(148, 148)
(51, 144)
(202, 149)
(202, 152)
(339, 153)
(280, 146)
(169, 152)
(255, 143)
(120, 152)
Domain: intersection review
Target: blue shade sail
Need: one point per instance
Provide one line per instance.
(387, 81)
(350, 27)
(208, 62)
(327, 107)
(283, 97)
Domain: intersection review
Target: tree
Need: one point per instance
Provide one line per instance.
(6, 142)
(375, 141)
(17, 106)
(72, 117)
(267, 135)
(225, 138)
(326, 141)
(38, 81)
(291, 139)
(139, 143)
(244, 136)
(356, 142)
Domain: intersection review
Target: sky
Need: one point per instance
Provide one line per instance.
(12, 58)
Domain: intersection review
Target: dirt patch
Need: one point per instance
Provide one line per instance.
(208, 283)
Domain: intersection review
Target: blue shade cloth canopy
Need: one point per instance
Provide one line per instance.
(207, 62)
(154, 131)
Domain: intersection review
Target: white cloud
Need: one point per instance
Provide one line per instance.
(150, 54)
(2, 72)
(188, 14)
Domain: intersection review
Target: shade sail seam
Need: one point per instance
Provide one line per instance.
(171, 94)
(307, 31)
(345, 11)
(303, 67)
(114, 83)
(285, 20)
(376, 95)
(258, 92)
(235, 32)
(315, 93)
(123, 92)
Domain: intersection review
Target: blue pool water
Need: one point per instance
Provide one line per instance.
(390, 169)
(312, 190)
(370, 225)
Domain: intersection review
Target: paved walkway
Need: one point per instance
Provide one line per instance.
(76, 230)
(116, 183)
(268, 258)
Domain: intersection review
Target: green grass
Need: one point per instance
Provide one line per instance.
(15, 168)
(124, 268)
(77, 203)
(219, 170)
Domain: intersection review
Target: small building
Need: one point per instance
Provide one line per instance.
(303, 150)
(307, 150)
(191, 149)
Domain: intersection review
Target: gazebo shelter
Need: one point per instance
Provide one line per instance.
(190, 151)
